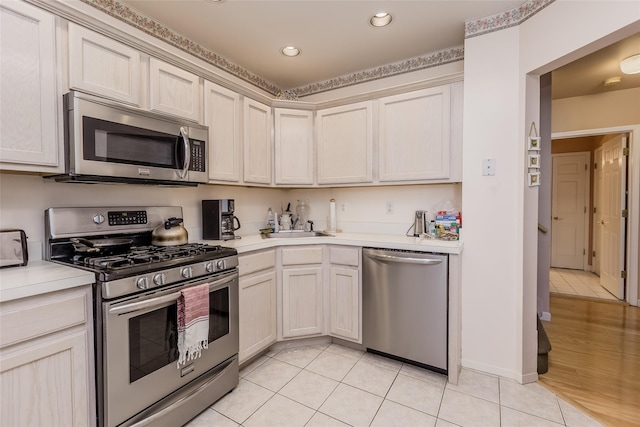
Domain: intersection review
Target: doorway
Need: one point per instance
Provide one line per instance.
(588, 207)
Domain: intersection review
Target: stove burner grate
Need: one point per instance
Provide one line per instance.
(146, 255)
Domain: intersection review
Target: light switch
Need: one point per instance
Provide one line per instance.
(488, 167)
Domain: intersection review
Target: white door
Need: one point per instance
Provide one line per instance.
(597, 209)
(612, 232)
(569, 210)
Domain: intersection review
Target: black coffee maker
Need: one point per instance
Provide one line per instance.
(218, 220)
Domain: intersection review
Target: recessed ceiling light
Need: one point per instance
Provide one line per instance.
(290, 51)
(381, 19)
(631, 65)
(612, 81)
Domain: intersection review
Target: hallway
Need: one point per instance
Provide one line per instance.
(595, 357)
(577, 283)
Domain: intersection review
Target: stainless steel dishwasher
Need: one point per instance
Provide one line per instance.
(405, 298)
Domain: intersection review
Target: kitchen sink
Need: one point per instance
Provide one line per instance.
(294, 234)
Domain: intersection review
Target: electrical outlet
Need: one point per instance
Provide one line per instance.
(389, 208)
(343, 207)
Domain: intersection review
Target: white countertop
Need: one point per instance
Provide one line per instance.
(256, 242)
(40, 277)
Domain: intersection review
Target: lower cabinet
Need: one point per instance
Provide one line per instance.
(257, 300)
(321, 292)
(298, 292)
(46, 360)
(344, 304)
(302, 291)
(345, 296)
(302, 308)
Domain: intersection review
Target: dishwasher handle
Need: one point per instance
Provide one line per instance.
(407, 260)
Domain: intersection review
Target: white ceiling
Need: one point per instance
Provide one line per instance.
(336, 38)
(586, 76)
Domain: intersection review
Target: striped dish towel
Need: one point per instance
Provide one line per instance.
(193, 322)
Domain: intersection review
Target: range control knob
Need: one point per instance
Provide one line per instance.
(209, 267)
(220, 264)
(98, 218)
(187, 272)
(159, 279)
(142, 282)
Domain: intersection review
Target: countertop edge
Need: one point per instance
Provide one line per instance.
(40, 277)
(256, 242)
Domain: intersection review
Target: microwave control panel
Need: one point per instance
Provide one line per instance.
(197, 156)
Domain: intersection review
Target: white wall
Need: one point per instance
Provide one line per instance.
(23, 199)
(604, 110)
(499, 261)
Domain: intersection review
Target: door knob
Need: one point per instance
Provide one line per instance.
(556, 218)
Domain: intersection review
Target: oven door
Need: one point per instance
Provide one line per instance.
(140, 345)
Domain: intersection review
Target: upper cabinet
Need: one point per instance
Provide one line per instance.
(102, 66)
(345, 144)
(222, 114)
(408, 138)
(257, 142)
(173, 90)
(29, 104)
(414, 136)
(293, 146)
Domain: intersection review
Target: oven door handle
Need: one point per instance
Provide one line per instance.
(141, 305)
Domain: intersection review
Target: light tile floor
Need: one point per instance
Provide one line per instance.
(332, 385)
(577, 282)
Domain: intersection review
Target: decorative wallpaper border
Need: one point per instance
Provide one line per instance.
(503, 20)
(475, 28)
(143, 22)
(414, 64)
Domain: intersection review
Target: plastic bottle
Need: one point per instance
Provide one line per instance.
(271, 220)
(432, 228)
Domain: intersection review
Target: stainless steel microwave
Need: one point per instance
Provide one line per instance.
(108, 142)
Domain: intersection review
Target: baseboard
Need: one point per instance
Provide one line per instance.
(546, 316)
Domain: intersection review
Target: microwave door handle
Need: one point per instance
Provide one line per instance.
(187, 153)
(141, 305)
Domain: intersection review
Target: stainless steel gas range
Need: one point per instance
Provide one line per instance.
(135, 312)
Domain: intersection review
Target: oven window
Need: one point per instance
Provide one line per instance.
(153, 337)
(117, 143)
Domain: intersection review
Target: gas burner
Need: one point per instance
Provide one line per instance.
(149, 255)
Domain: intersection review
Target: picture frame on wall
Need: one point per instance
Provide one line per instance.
(534, 179)
(533, 161)
(534, 143)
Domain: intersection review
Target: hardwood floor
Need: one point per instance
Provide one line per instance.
(595, 357)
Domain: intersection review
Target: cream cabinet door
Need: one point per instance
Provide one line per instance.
(257, 313)
(45, 382)
(173, 90)
(345, 144)
(293, 146)
(257, 142)
(102, 66)
(414, 136)
(344, 301)
(222, 113)
(302, 302)
(29, 103)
